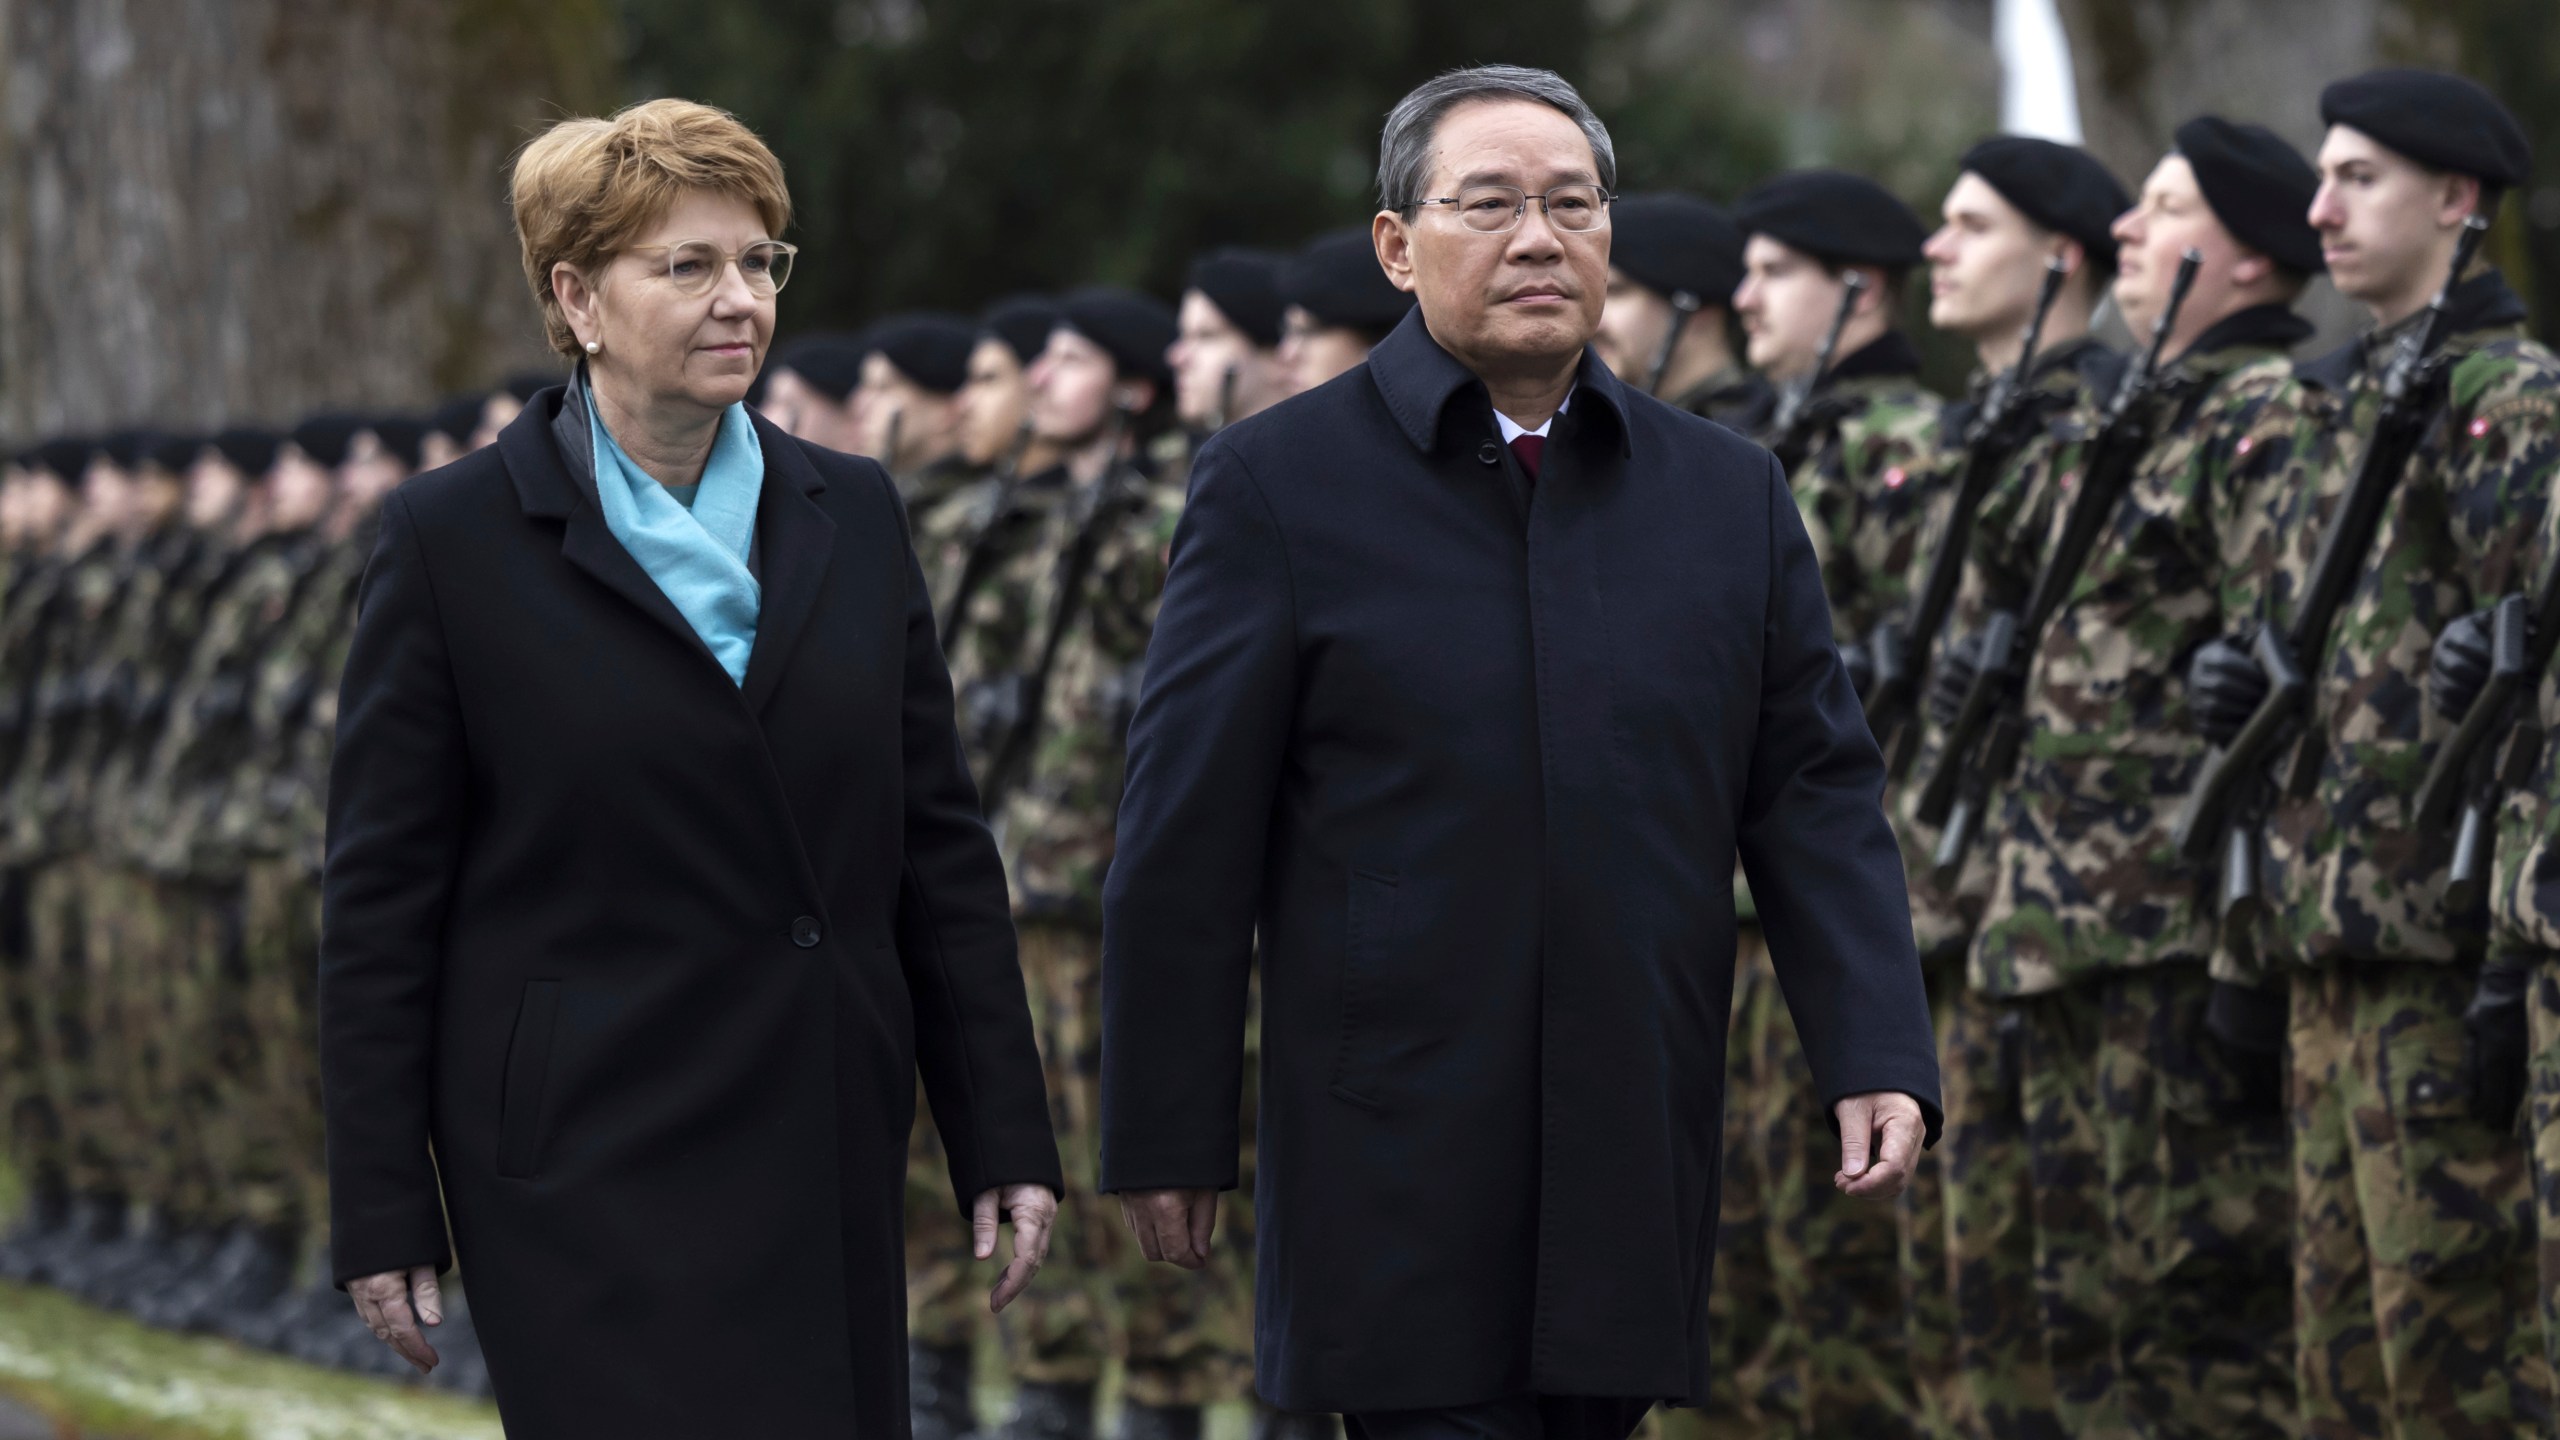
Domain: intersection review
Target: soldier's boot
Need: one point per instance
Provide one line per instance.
(1051, 1410)
(97, 1227)
(250, 1270)
(939, 1403)
(37, 1232)
(1159, 1422)
(1270, 1424)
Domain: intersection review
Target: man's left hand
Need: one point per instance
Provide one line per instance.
(1879, 1142)
(1033, 1212)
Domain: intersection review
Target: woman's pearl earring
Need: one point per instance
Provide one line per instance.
(594, 346)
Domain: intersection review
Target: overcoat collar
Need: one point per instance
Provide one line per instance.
(545, 450)
(1417, 379)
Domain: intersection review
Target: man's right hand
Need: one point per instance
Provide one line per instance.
(2224, 688)
(1172, 1225)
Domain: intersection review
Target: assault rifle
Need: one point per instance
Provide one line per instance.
(1991, 729)
(2495, 747)
(1791, 428)
(1901, 656)
(2236, 779)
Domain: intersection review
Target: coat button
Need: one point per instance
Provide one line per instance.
(1489, 453)
(804, 932)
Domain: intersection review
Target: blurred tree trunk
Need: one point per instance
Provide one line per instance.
(231, 209)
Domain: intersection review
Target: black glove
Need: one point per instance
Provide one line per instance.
(2250, 1024)
(1952, 677)
(2224, 688)
(2461, 665)
(1861, 668)
(2496, 1047)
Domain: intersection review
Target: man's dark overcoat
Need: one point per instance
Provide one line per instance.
(643, 964)
(1476, 756)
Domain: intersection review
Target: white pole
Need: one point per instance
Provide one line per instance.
(2037, 94)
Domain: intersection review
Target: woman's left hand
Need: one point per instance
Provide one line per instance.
(1034, 1211)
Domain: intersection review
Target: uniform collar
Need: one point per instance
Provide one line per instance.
(1417, 379)
(2482, 302)
(2273, 327)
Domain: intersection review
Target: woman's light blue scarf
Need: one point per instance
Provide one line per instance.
(698, 556)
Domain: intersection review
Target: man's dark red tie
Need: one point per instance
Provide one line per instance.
(1530, 449)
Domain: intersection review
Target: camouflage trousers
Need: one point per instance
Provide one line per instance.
(1989, 1219)
(2543, 1116)
(146, 937)
(1928, 1288)
(74, 995)
(2413, 1225)
(258, 957)
(1184, 1337)
(35, 1136)
(2162, 1212)
(1836, 1362)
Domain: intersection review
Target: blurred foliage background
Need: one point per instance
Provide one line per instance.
(252, 208)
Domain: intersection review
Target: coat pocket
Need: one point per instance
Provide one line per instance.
(1368, 937)
(528, 1070)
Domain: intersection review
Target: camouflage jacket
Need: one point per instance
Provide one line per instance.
(1866, 481)
(943, 502)
(49, 796)
(999, 620)
(155, 624)
(2524, 890)
(2068, 382)
(2464, 527)
(27, 610)
(2086, 878)
(178, 806)
(1735, 398)
(1059, 820)
(293, 712)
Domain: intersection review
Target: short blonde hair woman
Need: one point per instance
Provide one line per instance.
(654, 872)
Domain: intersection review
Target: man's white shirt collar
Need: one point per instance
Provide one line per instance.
(1513, 430)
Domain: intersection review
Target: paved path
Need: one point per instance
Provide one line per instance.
(17, 1422)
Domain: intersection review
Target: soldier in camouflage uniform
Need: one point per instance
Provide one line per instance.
(2153, 1147)
(910, 412)
(1099, 388)
(35, 506)
(1865, 456)
(189, 823)
(2016, 204)
(2413, 1223)
(977, 551)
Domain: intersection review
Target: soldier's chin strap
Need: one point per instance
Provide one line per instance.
(1684, 304)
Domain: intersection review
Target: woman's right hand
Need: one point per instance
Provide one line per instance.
(393, 1303)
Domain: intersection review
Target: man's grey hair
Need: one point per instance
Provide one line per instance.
(1405, 149)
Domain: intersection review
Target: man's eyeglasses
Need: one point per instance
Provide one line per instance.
(694, 266)
(1496, 209)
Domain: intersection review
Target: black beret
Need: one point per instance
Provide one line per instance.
(458, 416)
(2442, 121)
(405, 436)
(1677, 244)
(2060, 187)
(525, 384)
(930, 349)
(831, 364)
(173, 453)
(2260, 188)
(1245, 286)
(67, 457)
(128, 448)
(1337, 279)
(252, 452)
(1136, 329)
(1022, 322)
(325, 438)
(1836, 217)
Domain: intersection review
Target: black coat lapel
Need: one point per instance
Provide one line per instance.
(796, 540)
